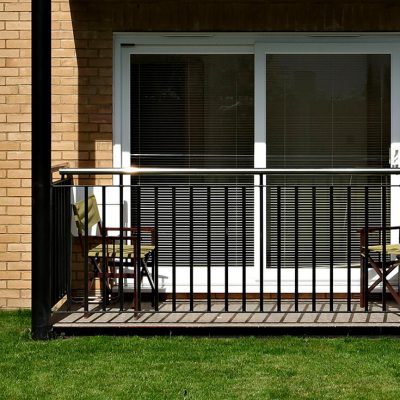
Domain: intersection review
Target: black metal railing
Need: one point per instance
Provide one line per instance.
(261, 241)
(61, 240)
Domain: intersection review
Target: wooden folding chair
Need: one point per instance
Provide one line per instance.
(376, 262)
(113, 258)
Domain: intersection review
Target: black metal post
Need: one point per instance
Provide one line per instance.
(41, 168)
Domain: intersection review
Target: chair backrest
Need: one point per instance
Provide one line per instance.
(79, 214)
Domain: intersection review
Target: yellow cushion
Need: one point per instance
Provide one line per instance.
(390, 249)
(113, 251)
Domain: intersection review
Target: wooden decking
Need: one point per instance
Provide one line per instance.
(235, 320)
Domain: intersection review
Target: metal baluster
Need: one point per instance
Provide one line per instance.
(279, 249)
(384, 277)
(366, 249)
(226, 251)
(349, 248)
(191, 247)
(103, 250)
(331, 238)
(261, 243)
(174, 248)
(86, 251)
(314, 247)
(244, 248)
(121, 244)
(208, 248)
(155, 254)
(296, 248)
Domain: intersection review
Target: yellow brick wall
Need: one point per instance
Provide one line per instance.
(81, 127)
(15, 107)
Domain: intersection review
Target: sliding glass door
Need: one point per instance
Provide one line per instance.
(325, 111)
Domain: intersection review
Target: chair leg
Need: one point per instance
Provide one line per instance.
(362, 285)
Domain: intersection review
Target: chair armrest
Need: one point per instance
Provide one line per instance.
(133, 230)
(372, 229)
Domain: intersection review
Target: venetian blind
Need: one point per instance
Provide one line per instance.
(325, 110)
(194, 111)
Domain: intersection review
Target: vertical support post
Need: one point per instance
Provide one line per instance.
(41, 168)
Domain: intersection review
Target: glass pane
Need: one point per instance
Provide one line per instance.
(325, 111)
(328, 110)
(192, 110)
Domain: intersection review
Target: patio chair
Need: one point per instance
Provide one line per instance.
(375, 261)
(113, 257)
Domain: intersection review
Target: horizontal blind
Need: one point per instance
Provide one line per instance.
(325, 110)
(194, 111)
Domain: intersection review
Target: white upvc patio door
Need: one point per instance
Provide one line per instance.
(126, 45)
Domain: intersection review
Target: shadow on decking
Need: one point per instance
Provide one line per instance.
(235, 321)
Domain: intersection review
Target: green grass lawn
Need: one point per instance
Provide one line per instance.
(194, 368)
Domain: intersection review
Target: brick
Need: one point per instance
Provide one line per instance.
(8, 71)
(9, 145)
(26, 257)
(18, 62)
(19, 229)
(9, 53)
(19, 303)
(9, 294)
(22, 192)
(10, 275)
(9, 34)
(26, 275)
(19, 210)
(19, 173)
(20, 80)
(8, 220)
(6, 201)
(19, 266)
(18, 44)
(8, 89)
(20, 284)
(26, 294)
(20, 6)
(18, 136)
(11, 183)
(9, 127)
(18, 155)
(18, 117)
(18, 99)
(6, 256)
(9, 16)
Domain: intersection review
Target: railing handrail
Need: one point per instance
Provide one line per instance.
(229, 171)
